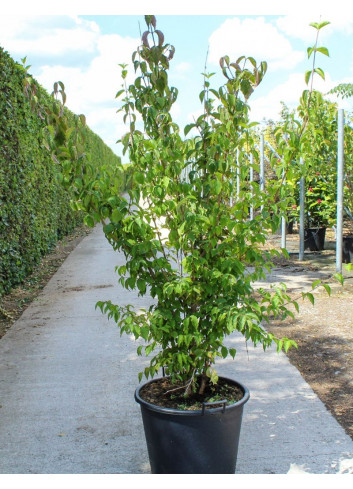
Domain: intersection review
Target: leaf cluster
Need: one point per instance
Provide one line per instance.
(185, 227)
(188, 241)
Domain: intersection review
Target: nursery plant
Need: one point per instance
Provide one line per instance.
(187, 238)
(348, 187)
(345, 90)
(320, 158)
(320, 203)
(311, 131)
(190, 245)
(188, 242)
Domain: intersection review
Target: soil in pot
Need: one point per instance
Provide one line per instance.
(165, 394)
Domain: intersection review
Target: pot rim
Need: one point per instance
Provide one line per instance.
(314, 228)
(198, 412)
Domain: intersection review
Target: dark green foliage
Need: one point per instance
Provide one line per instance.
(34, 207)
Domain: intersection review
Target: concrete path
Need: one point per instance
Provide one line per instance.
(67, 382)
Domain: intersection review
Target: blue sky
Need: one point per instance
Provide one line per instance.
(83, 48)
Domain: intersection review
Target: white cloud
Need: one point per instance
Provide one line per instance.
(299, 26)
(193, 116)
(182, 67)
(289, 92)
(253, 37)
(108, 125)
(47, 35)
(71, 77)
(269, 106)
(175, 111)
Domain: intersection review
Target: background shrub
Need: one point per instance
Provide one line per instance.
(34, 207)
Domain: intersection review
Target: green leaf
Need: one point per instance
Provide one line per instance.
(108, 228)
(323, 50)
(339, 276)
(310, 50)
(327, 288)
(139, 178)
(252, 61)
(141, 284)
(188, 128)
(307, 76)
(310, 297)
(212, 374)
(116, 216)
(323, 24)
(217, 187)
(89, 221)
(144, 332)
(148, 350)
(161, 84)
(232, 352)
(212, 90)
(120, 92)
(194, 322)
(315, 284)
(320, 72)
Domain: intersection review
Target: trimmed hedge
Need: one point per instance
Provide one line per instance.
(34, 207)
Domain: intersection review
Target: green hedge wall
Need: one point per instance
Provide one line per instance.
(34, 208)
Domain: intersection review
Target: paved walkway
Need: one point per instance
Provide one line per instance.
(67, 382)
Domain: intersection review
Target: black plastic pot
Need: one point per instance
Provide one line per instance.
(289, 226)
(314, 239)
(347, 249)
(193, 442)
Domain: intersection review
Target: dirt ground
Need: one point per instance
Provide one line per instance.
(323, 331)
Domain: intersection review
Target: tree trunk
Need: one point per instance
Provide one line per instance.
(203, 385)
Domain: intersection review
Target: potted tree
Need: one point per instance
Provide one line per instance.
(318, 164)
(347, 250)
(189, 243)
(320, 210)
(321, 172)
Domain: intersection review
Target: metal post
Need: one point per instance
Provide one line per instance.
(262, 163)
(251, 177)
(301, 215)
(283, 225)
(283, 219)
(340, 170)
(231, 194)
(238, 175)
